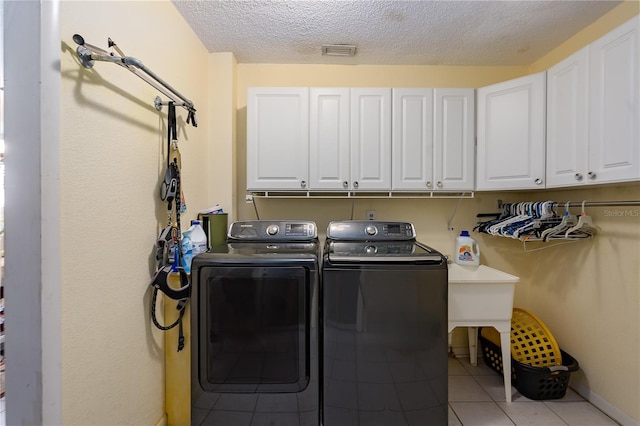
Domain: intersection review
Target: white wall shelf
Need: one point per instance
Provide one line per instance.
(357, 194)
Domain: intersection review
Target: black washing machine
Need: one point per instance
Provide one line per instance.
(254, 326)
(384, 327)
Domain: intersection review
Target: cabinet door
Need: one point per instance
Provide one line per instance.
(567, 120)
(412, 139)
(511, 131)
(371, 139)
(277, 138)
(454, 145)
(614, 152)
(329, 143)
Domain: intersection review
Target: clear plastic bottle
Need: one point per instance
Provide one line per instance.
(187, 251)
(198, 238)
(467, 250)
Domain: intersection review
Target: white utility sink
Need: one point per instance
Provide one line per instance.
(480, 296)
(478, 274)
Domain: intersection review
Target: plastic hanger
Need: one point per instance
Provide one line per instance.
(540, 211)
(584, 224)
(566, 222)
(535, 212)
(500, 228)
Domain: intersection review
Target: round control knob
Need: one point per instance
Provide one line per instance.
(370, 230)
(272, 229)
(370, 250)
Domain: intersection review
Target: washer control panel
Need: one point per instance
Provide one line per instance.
(261, 230)
(370, 230)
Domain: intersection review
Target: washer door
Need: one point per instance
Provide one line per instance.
(252, 328)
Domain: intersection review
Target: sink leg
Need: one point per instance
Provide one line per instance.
(505, 343)
(473, 345)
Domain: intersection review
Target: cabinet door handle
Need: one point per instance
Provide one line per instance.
(345, 184)
(591, 175)
(439, 184)
(578, 176)
(303, 184)
(429, 184)
(355, 184)
(538, 181)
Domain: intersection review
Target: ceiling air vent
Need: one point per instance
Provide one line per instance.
(339, 49)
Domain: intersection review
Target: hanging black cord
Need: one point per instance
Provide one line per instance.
(172, 133)
(178, 201)
(154, 318)
(174, 171)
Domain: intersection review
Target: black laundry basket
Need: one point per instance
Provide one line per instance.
(536, 383)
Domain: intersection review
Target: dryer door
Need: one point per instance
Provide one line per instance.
(253, 328)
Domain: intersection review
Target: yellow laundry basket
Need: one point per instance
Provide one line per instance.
(531, 341)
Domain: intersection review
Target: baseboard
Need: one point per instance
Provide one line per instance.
(605, 406)
(162, 421)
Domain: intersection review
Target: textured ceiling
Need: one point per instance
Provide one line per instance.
(420, 32)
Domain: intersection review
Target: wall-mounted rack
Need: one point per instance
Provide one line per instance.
(539, 220)
(356, 194)
(353, 195)
(88, 54)
(589, 203)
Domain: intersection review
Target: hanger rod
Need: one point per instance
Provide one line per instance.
(599, 203)
(589, 203)
(88, 54)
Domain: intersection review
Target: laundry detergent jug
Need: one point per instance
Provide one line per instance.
(467, 250)
(198, 238)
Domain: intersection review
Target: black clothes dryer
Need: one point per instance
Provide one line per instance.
(254, 325)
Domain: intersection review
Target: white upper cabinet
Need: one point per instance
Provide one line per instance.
(614, 143)
(593, 114)
(567, 120)
(511, 134)
(277, 138)
(433, 139)
(370, 139)
(454, 145)
(412, 126)
(329, 139)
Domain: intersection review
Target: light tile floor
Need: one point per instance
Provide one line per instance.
(476, 398)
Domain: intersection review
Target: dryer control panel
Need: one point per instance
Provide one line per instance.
(270, 230)
(370, 230)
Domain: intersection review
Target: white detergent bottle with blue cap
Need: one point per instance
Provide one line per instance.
(467, 250)
(198, 238)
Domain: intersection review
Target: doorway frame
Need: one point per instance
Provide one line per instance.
(32, 279)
